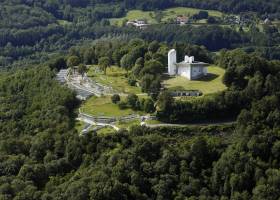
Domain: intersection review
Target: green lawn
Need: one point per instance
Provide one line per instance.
(211, 84)
(64, 22)
(170, 13)
(127, 125)
(105, 131)
(115, 77)
(153, 122)
(102, 106)
(135, 14)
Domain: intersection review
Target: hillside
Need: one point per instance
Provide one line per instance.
(51, 27)
(95, 108)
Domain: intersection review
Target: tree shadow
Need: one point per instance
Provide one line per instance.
(209, 77)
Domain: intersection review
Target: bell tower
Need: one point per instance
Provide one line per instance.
(172, 60)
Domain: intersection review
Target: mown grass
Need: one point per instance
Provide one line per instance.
(106, 131)
(115, 78)
(207, 85)
(170, 13)
(103, 106)
(127, 125)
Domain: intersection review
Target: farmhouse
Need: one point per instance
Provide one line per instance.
(188, 68)
(141, 24)
(182, 20)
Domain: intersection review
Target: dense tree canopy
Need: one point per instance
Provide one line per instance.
(42, 156)
(56, 25)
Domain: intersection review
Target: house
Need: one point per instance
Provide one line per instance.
(189, 68)
(267, 21)
(141, 24)
(182, 20)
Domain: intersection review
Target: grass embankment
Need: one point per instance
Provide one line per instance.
(207, 85)
(167, 14)
(103, 106)
(79, 125)
(115, 78)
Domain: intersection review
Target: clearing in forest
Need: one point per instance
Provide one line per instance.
(167, 14)
(115, 78)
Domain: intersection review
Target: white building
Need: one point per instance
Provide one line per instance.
(188, 68)
(141, 24)
(182, 20)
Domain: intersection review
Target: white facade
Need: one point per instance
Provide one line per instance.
(188, 68)
(141, 24)
(172, 60)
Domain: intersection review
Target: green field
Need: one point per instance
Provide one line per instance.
(174, 12)
(64, 22)
(106, 131)
(170, 13)
(210, 84)
(115, 77)
(127, 125)
(102, 106)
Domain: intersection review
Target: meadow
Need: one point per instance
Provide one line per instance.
(115, 78)
(168, 14)
(103, 106)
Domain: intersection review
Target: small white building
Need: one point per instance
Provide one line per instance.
(188, 68)
(182, 20)
(141, 24)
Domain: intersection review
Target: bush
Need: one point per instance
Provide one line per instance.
(115, 98)
(149, 106)
(132, 81)
(132, 100)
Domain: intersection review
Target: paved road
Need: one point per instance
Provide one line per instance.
(190, 124)
(88, 121)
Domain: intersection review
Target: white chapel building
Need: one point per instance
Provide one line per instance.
(188, 68)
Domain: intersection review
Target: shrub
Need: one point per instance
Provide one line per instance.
(115, 98)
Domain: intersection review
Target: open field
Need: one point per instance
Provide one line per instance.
(64, 22)
(170, 13)
(106, 131)
(115, 77)
(127, 125)
(174, 12)
(210, 84)
(102, 106)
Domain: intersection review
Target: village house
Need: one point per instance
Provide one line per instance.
(182, 20)
(141, 24)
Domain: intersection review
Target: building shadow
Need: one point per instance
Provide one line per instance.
(209, 77)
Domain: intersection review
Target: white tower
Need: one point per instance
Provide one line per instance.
(172, 60)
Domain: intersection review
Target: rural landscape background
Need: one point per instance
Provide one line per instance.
(88, 109)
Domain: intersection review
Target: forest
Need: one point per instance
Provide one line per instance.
(42, 154)
(53, 26)
(43, 157)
